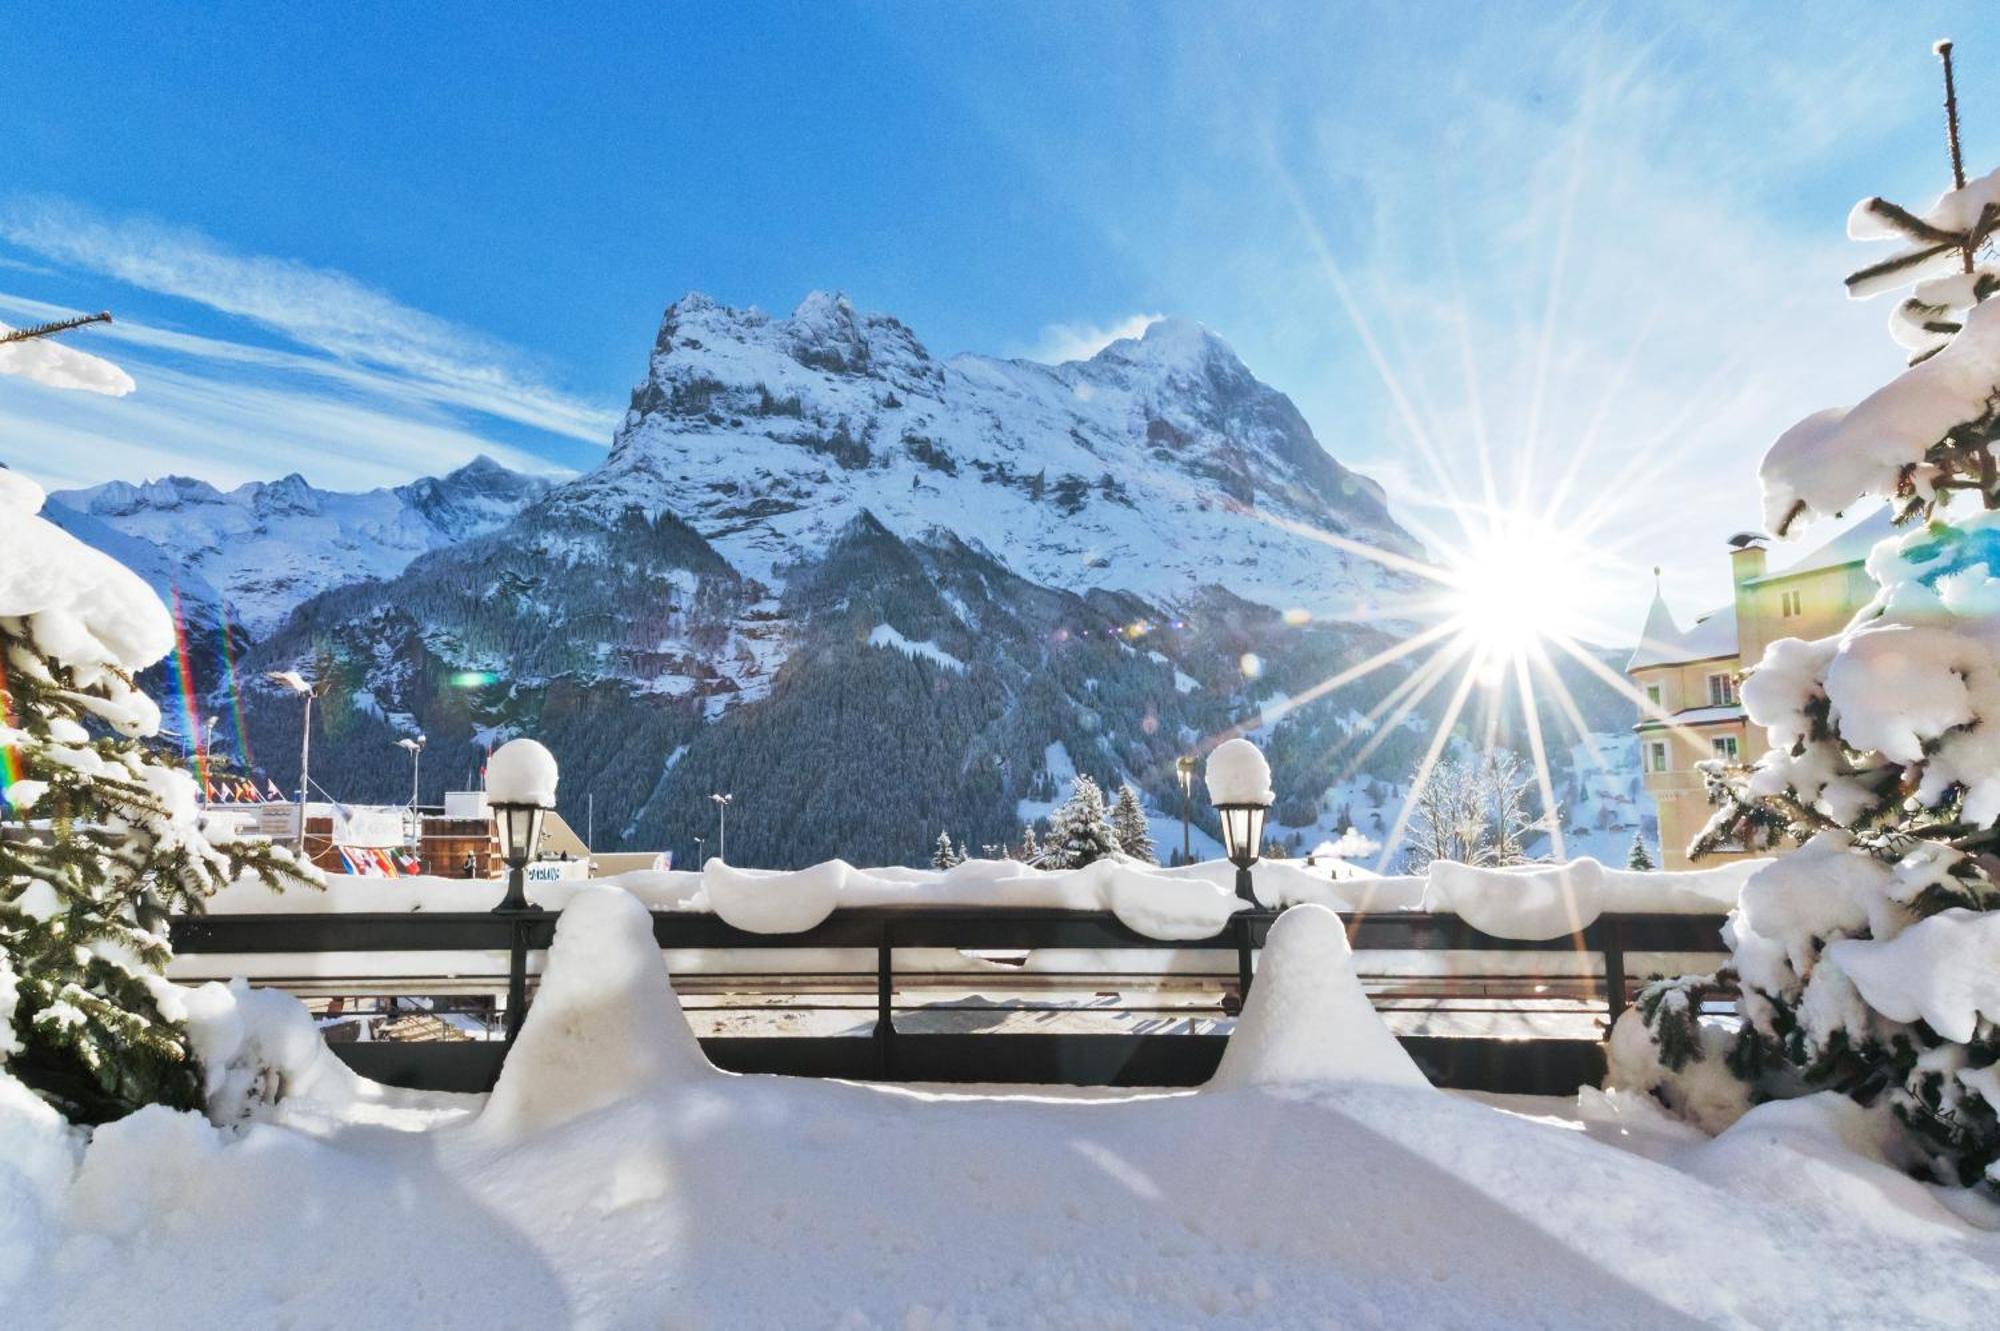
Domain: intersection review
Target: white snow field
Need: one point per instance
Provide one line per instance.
(616, 1179)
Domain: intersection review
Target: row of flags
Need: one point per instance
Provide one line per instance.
(379, 862)
(240, 790)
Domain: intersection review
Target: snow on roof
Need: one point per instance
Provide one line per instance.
(1850, 547)
(1694, 716)
(1661, 643)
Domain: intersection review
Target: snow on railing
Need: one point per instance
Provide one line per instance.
(1192, 902)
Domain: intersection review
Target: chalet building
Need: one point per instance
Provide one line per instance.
(1691, 674)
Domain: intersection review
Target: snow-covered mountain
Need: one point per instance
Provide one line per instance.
(1156, 467)
(868, 591)
(269, 545)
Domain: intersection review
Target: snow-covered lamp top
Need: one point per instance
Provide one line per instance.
(521, 771)
(1238, 774)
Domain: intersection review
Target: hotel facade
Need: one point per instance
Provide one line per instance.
(1691, 674)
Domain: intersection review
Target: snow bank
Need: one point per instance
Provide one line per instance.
(1551, 901)
(1943, 970)
(1306, 1019)
(1194, 901)
(38, 1153)
(605, 1024)
(1237, 774)
(521, 771)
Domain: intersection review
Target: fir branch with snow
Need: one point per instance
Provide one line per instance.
(100, 836)
(1859, 954)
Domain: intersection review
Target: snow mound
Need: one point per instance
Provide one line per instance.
(38, 1154)
(605, 1024)
(1550, 902)
(521, 771)
(774, 903)
(1307, 1019)
(1944, 970)
(1237, 774)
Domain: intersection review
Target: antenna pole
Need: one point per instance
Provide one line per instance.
(1943, 50)
(50, 329)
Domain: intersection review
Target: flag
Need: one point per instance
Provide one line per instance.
(271, 790)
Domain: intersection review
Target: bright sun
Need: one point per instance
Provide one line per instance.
(1517, 583)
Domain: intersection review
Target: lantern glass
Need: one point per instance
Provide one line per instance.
(1242, 831)
(519, 827)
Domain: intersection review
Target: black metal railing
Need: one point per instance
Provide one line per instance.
(1534, 1064)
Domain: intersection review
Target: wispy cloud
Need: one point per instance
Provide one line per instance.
(1080, 341)
(414, 353)
(231, 412)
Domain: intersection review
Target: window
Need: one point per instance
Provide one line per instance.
(1653, 696)
(1721, 690)
(1791, 604)
(1656, 755)
(1725, 747)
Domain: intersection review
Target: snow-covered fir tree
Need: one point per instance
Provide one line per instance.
(1080, 831)
(1639, 857)
(942, 855)
(1866, 958)
(100, 835)
(1128, 824)
(1031, 849)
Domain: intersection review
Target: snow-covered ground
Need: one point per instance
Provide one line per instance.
(614, 1178)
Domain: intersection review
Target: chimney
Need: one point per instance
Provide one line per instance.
(1746, 557)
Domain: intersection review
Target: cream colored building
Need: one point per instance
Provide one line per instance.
(1691, 674)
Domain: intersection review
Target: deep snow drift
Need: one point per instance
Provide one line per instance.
(616, 1179)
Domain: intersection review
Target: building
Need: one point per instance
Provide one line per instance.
(1691, 674)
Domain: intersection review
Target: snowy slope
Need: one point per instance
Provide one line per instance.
(1156, 467)
(267, 546)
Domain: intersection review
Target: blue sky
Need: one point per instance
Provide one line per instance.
(366, 243)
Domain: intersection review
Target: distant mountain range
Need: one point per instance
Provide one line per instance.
(872, 593)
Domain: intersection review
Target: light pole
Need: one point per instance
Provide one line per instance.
(1184, 770)
(722, 803)
(296, 682)
(520, 790)
(207, 750)
(1239, 781)
(415, 748)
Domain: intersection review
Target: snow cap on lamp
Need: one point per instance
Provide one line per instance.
(1238, 774)
(521, 771)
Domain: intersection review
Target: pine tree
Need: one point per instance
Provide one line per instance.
(1031, 850)
(943, 856)
(1638, 857)
(1128, 824)
(1079, 831)
(100, 836)
(1884, 761)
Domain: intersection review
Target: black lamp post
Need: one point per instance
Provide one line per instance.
(1242, 835)
(1184, 769)
(521, 789)
(519, 828)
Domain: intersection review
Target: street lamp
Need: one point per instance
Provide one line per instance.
(520, 791)
(1184, 770)
(415, 748)
(1239, 781)
(207, 753)
(296, 682)
(722, 803)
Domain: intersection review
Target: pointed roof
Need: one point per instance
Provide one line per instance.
(1662, 642)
